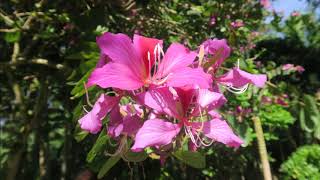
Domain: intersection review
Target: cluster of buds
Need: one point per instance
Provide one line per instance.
(172, 97)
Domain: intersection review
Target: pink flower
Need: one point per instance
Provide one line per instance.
(287, 67)
(237, 24)
(133, 65)
(300, 69)
(92, 121)
(127, 124)
(291, 67)
(219, 51)
(183, 104)
(265, 3)
(295, 13)
(212, 21)
(238, 78)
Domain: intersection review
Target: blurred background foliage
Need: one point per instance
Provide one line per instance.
(48, 50)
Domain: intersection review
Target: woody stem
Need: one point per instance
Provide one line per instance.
(262, 148)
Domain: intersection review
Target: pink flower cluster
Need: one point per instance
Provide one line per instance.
(291, 67)
(173, 96)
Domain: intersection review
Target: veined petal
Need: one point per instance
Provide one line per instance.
(159, 99)
(92, 121)
(219, 50)
(143, 45)
(155, 132)
(239, 78)
(119, 48)
(102, 60)
(115, 75)
(131, 124)
(189, 76)
(176, 57)
(206, 97)
(220, 131)
(115, 125)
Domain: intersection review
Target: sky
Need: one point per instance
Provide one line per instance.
(288, 6)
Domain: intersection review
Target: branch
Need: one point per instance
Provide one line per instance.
(36, 61)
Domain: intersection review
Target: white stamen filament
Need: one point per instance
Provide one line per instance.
(87, 95)
(237, 90)
(149, 63)
(238, 63)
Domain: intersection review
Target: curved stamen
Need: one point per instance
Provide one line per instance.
(83, 107)
(87, 95)
(237, 90)
(123, 144)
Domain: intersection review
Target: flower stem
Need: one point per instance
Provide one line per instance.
(262, 148)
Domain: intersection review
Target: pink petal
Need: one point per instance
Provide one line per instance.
(119, 48)
(115, 125)
(214, 114)
(143, 45)
(239, 78)
(131, 124)
(102, 60)
(189, 76)
(92, 121)
(159, 99)
(115, 75)
(155, 132)
(176, 57)
(185, 95)
(220, 131)
(219, 50)
(206, 97)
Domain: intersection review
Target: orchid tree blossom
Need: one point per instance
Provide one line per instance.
(236, 80)
(142, 62)
(185, 105)
(92, 121)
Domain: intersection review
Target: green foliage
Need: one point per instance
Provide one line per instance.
(303, 164)
(276, 116)
(193, 159)
(310, 116)
(108, 165)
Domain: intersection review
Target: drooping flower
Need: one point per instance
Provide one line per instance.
(236, 80)
(184, 104)
(137, 64)
(237, 24)
(92, 121)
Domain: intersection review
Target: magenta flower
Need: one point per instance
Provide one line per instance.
(237, 24)
(265, 3)
(133, 65)
(291, 67)
(92, 121)
(183, 104)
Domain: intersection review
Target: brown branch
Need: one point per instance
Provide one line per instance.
(262, 149)
(37, 61)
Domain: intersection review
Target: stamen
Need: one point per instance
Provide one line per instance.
(149, 63)
(201, 55)
(238, 63)
(163, 80)
(203, 142)
(83, 107)
(87, 95)
(190, 134)
(238, 90)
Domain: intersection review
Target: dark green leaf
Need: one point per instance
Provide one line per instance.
(108, 165)
(193, 159)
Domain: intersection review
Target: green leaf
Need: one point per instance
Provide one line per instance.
(12, 37)
(98, 147)
(193, 159)
(135, 157)
(79, 134)
(108, 165)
